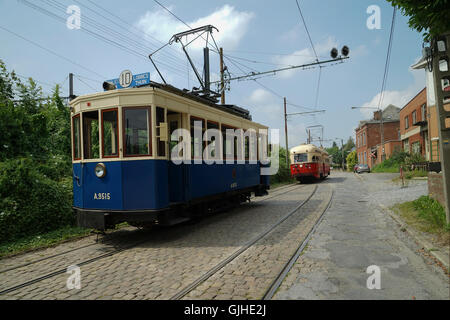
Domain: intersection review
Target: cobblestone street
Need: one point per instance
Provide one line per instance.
(168, 259)
(162, 262)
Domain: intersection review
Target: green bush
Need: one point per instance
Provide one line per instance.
(284, 172)
(352, 160)
(31, 202)
(398, 158)
(431, 210)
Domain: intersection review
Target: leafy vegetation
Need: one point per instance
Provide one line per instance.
(427, 215)
(398, 159)
(35, 164)
(428, 16)
(337, 152)
(284, 174)
(352, 160)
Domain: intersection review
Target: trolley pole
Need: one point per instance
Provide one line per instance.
(286, 134)
(222, 81)
(441, 52)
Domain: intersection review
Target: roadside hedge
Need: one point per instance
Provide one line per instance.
(30, 202)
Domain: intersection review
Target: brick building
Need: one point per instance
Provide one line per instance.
(414, 126)
(431, 119)
(368, 137)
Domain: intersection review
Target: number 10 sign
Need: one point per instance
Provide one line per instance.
(128, 80)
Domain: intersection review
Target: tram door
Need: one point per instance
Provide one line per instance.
(177, 173)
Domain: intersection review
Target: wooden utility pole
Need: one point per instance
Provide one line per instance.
(222, 80)
(286, 134)
(441, 56)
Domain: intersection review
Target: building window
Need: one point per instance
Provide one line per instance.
(406, 122)
(424, 112)
(415, 146)
(406, 145)
(364, 139)
(414, 117)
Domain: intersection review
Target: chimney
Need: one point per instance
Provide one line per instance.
(376, 115)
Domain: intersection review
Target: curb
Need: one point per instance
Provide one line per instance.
(441, 257)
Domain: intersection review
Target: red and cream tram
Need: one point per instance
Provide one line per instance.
(309, 161)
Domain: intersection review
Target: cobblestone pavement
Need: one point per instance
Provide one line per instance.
(168, 259)
(356, 234)
(250, 275)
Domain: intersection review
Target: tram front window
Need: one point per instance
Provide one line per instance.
(136, 137)
(301, 157)
(91, 141)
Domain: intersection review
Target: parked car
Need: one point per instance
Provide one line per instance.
(362, 168)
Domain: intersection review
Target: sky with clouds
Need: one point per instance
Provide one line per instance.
(255, 36)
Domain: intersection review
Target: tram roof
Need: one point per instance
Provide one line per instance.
(229, 108)
(306, 148)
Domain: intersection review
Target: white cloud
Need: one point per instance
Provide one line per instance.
(305, 56)
(232, 25)
(396, 97)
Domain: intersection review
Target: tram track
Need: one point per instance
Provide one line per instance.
(280, 192)
(186, 290)
(288, 266)
(283, 190)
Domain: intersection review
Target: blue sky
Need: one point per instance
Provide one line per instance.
(270, 33)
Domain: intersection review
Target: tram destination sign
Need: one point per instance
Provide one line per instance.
(128, 80)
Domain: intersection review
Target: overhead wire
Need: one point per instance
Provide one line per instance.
(172, 57)
(118, 39)
(51, 51)
(388, 59)
(100, 36)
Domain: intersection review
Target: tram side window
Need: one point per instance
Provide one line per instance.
(110, 139)
(91, 139)
(196, 143)
(214, 144)
(160, 145)
(229, 148)
(136, 135)
(301, 157)
(76, 138)
(247, 148)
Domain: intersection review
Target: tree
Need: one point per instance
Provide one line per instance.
(352, 160)
(430, 16)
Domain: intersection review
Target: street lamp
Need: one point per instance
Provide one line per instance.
(381, 127)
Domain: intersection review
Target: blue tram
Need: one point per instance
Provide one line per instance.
(122, 150)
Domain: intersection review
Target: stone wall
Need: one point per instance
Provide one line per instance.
(436, 187)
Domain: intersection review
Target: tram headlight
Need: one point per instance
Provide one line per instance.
(100, 170)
